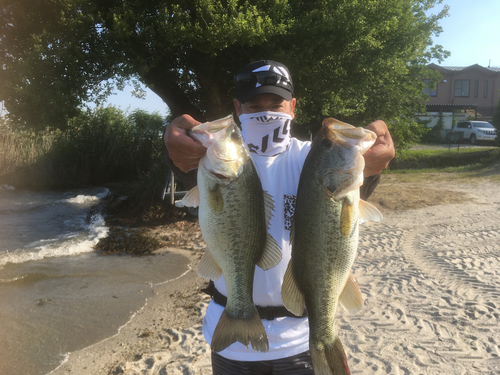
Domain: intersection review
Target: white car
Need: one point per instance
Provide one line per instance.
(476, 131)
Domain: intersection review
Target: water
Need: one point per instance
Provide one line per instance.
(38, 225)
(56, 294)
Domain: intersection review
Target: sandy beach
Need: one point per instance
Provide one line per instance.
(429, 274)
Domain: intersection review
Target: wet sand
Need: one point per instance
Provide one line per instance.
(60, 305)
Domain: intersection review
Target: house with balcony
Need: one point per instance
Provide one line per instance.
(463, 93)
(472, 89)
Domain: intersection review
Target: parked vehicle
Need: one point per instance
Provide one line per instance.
(476, 131)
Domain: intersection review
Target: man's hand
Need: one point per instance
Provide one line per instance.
(377, 158)
(184, 151)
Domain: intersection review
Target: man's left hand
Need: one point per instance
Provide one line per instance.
(377, 158)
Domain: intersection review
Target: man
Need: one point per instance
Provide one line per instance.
(265, 106)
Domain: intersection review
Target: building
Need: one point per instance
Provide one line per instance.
(473, 89)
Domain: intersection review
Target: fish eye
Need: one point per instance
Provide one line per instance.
(326, 143)
(235, 136)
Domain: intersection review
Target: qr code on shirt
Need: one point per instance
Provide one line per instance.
(289, 205)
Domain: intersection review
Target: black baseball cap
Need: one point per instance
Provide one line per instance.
(263, 77)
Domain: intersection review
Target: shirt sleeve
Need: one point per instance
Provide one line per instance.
(369, 185)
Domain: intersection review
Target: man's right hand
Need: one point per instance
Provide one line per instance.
(184, 151)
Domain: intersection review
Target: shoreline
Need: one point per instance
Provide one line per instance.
(175, 303)
(429, 274)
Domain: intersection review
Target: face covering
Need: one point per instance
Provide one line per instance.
(266, 133)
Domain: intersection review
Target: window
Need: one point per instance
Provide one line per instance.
(462, 87)
(485, 90)
(428, 90)
(476, 88)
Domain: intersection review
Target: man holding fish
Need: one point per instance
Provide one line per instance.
(265, 107)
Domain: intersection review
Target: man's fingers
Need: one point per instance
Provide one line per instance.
(377, 158)
(184, 151)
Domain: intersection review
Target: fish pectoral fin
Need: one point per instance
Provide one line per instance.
(346, 217)
(208, 268)
(271, 255)
(192, 198)
(293, 299)
(351, 298)
(368, 212)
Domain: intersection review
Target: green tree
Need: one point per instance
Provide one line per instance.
(354, 60)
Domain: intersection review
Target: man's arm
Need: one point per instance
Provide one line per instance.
(184, 153)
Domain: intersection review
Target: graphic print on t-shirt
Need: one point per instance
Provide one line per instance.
(289, 209)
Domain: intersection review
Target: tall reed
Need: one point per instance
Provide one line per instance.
(22, 149)
(105, 145)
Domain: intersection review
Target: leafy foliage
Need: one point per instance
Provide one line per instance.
(434, 133)
(100, 146)
(406, 132)
(354, 60)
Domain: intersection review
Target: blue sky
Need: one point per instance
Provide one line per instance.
(470, 33)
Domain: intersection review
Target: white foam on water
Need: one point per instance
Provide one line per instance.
(82, 199)
(70, 244)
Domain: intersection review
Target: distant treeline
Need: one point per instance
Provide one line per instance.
(100, 146)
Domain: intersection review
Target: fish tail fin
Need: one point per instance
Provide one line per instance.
(247, 331)
(329, 359)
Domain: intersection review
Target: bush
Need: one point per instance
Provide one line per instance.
(433, 134)
(101, 146)
(406, 133)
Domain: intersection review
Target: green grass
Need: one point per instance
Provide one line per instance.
(443, 160)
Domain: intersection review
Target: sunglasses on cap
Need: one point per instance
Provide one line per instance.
(264, 78)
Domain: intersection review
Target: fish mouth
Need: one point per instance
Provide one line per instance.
(220, 176)
(334, 131)
(208, 133)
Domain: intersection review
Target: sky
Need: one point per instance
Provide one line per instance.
(470, 33)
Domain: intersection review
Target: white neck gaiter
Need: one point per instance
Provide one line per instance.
(266, 133)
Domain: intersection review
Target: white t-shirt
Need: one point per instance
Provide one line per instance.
(287, 336)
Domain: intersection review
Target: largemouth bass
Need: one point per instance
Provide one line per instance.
(324, 238)
(234, 214)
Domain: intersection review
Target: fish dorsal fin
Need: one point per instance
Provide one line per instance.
(368, 212)
(293, 299)
(268, 207)
(271, 255)
(192, 198)
(208, 267)
(351, 298)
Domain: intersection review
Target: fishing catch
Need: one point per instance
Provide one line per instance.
(324, 238)
(234, 214)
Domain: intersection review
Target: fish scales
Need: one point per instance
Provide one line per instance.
(234, 214)
(242, 208)
(324, 237)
